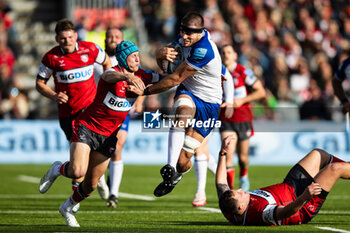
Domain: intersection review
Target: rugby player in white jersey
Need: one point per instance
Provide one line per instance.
(198, 97)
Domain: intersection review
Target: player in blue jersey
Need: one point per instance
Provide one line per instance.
(197, 99)
(342, 74)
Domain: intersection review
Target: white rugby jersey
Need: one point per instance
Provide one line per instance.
(204, 56)
(98, 68)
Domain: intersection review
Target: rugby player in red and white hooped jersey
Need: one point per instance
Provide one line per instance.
(294, 201)
(241, 123)
(71, 65)
(95, 129)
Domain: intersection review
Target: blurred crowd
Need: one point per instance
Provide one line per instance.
(13, 103)
(293, 47)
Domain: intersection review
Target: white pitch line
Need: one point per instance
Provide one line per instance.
(333, 229)
(36, 180)
(337, 212)
(29, 179)
(214, 210)
(37, 196)
(102, 212)
(134, 196)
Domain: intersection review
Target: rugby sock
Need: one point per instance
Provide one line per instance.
(200, 169)
(335, 159)
(178, 176)
(63, 169)
(75, 184)
(78, 195)
(115, 176)
(176, 140)
(243, 172)
(230, 176)
(212, 164)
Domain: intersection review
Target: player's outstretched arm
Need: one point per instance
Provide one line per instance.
(181, 73)
(221, 176)
(292, 208)
(112, 76)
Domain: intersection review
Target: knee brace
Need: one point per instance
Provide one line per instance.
(183, 101)
(190, 144)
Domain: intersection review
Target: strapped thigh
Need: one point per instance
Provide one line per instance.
(190, 144)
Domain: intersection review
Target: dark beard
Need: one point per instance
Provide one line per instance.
(110, 52)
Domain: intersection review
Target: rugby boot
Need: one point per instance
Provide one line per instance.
(244, 183)
(170, 179)
(66, 211)
(102, 188)
(199, 200)
(112, 201)
(48, 178)
(76, 208)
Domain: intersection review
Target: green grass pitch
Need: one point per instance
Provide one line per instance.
(24, 209)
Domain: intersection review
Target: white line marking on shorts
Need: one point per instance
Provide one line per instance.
(333, 229)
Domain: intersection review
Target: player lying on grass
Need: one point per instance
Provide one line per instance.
(295, 201)
(95, 129)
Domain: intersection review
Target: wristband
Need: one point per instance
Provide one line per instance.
(223, 154)
(146, 91)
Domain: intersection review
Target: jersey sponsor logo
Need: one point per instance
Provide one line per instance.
(249, 73)
(116, 103)
(75, 75)
(240, 92)
(264, 194)
(199, 53)
(84, 58)
(311, 208)
(250, 79)
(61, 63)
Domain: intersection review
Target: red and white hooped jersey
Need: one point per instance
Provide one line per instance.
(263, 203)
(112, 104)
(73, 73)
(242, 78)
